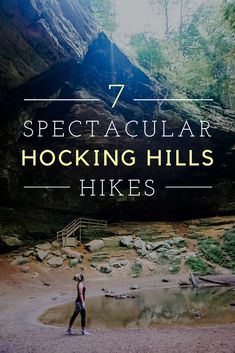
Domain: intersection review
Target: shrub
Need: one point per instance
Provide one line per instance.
(196, 264)
(222, 253)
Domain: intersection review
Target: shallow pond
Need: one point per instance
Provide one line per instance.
(152, 308)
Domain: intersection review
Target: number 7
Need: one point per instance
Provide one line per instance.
(119, 93)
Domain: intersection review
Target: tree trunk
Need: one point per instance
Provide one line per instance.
(166, 11)
(181, 17)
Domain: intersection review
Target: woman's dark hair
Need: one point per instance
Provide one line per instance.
(79, 277)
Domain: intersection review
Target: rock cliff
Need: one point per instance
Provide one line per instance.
(53, 49)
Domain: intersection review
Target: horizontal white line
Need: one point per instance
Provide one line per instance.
(188, 187)
(61, 100)
(46, 187)
(172, 100)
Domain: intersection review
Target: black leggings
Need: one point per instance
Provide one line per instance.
(78, 309)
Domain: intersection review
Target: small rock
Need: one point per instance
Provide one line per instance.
(183, 250)
(123, 262)
(41, 255)
(164, 280)
(142, 252)
(56, 244)
(28, 253)
(44, 247)
(152, 256)
(167, 245)
(126, 241)
(116, 265)
(192, 227)
(139, 244)
(73, 262)
(134, 287)
(196, 313)
(20, 261)
(46, 284)
(35, 274)
(179, 241)
(55, 261)
(25, 269)
(94, 265)
(173, 252)
(158, 245)
(56, 252)
(190, 254)
(105, 269)
(170, 242)
(71, 254)
(151, 268)
(149, 246)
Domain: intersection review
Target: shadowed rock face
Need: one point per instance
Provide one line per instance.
(75, 75)
(35, 35)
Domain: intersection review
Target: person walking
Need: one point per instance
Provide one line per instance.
(80, 305)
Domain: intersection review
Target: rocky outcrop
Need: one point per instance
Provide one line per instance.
(10, 241)
(59, 54)
(35, 35)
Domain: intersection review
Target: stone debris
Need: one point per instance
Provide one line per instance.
(20, 261)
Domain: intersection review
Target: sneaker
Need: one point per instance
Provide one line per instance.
(85, 333)
(69, 331)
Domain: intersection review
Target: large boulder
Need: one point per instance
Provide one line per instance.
(10, 241)
(94, 245)
(41, 255)
(55, 261)
(139, 244)
(126, 241)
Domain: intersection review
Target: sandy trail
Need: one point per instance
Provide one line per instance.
(23, 299)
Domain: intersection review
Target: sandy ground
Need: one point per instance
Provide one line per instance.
(24, 296)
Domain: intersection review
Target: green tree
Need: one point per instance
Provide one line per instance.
(105, 14)
(229, 13)
(149, 53)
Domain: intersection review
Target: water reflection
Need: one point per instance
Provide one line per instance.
(152, 308)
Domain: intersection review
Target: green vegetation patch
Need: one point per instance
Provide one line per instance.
(196, 264)
(136, 269)
(221, 253)
(95, 233)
